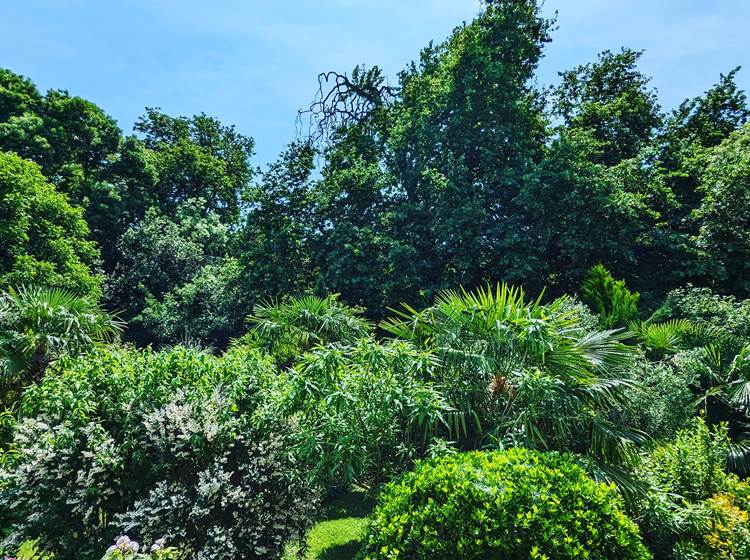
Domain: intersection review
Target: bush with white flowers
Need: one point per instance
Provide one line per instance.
(152, 445)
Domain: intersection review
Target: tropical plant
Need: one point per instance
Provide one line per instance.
(660, 340)
(38, 325)
(723, 393)
(505, 504)
(288, 328)
(724, 317)
(528, 373)
(609, 298)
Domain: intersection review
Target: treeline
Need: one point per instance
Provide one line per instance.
(463, 170)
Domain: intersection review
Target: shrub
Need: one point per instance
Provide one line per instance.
(507, 504)
(609, 298)
(289, 328)
(662, 399)
(361, 412)
(694, 508)
(728, 317)
(159, 443)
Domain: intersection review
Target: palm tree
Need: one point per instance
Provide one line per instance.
(295, 325)
(526, 373)
(38, 324)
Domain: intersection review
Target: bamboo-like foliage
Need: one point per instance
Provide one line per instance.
(525, 372)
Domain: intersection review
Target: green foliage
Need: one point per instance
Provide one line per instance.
(507, 504)
(610, 98)
(662, 400)
(164, 260)
(723, 214)
(43, 239)
(501, 356)
(361, 412)
(205, 309)
(69, 137)
(117, 435)
(289, 328)
(273, 246)
(29, 550)
(417, 192)
(609, 298)
(38, 325)
(694, 509)
(725, 317)
(197, 157)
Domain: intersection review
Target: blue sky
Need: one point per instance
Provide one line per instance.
(253, 63)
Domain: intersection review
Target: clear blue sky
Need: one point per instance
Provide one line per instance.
(253, 63)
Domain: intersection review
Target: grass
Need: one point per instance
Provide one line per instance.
(339, 533)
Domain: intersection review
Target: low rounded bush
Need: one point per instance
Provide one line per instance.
(515, 504)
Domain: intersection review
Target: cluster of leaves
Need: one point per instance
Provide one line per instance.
(361, 412)
(525, 372)
(504, 504)
(609, 298)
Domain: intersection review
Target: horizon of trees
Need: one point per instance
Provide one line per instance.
(462, 172)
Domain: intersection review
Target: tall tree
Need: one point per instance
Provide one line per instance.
(424, 176)
(611, 99)
(197, 157)
(43, 238)
(724, 214)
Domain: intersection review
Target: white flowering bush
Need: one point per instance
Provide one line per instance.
(152, 445)
(221, 493)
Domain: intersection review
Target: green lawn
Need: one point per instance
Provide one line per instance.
(339, 533)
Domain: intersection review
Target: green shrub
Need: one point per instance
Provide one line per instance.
(728, 317)
(694, 508)
(361, 412)
(609, 298)
(507, 504)
(661, 400)
(291, 327)
(158, 444)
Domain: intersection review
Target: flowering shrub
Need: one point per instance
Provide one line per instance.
(507, 504)
(221, 494)
(159, 445)
(126, 549)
